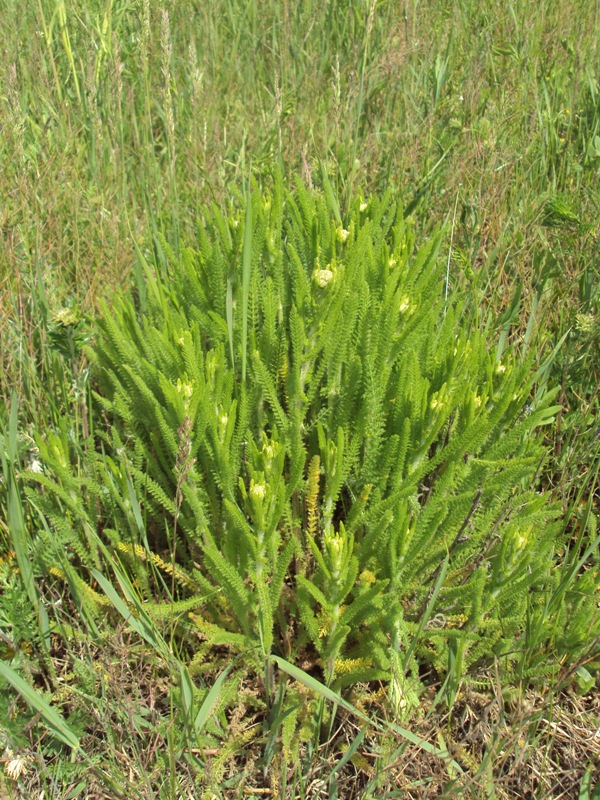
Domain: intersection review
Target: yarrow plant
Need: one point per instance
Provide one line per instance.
(359, 481)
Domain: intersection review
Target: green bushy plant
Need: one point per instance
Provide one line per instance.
(308, 449)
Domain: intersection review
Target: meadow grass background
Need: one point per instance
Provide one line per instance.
(119, 120)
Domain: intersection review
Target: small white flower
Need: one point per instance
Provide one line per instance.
(438, 400)
(342, 234)
(257, 490)
(364, 206)
(323, 277)
(500, 368)
(35, 466)
(186, 389)
(585, 322)
(65, 316)
(404, 304)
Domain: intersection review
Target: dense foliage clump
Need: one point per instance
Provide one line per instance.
(305, 435)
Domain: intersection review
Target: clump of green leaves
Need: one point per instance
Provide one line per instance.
(311, 449)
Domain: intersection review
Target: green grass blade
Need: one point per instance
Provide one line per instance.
(53, 719)
(330, 194)
(328, 694)
(541, 376)
(17, 527)
(428, 610)
(68, 571)
(587, 791)
(55, 722)
(141, 624)
(211, 699)
(12, 428)
(312, 683)
(246, 273)
(137, 512)
(356, 743)
(187, 692)
(229, 315)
